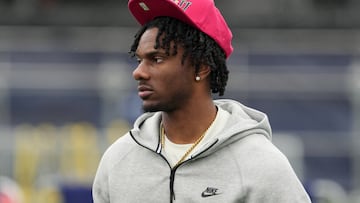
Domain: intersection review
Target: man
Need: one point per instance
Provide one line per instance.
(187, 147)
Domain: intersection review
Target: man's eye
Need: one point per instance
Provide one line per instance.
(138, 60)
(158, 59)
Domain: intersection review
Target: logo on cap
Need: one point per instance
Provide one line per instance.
(183, 4)
(144, 6)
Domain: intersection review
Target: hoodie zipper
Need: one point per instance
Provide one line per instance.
(173, 170)
(172, 179)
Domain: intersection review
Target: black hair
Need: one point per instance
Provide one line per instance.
(198, 47)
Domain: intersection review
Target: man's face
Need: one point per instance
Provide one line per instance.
(165, 84)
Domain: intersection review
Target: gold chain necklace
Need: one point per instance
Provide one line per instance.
(162, 137)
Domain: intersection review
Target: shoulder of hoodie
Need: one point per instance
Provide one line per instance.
(124, 144)
(112, 156)
(266, 172)
(258, 158)
(117, 150)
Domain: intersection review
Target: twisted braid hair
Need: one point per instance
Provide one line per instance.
(199, 47)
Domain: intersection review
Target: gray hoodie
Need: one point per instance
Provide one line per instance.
(238, 165)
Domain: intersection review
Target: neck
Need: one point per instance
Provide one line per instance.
(187, 125)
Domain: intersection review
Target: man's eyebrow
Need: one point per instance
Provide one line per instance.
(151, 53)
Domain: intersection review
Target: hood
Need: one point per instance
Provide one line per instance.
(243, 121)
(146, 130)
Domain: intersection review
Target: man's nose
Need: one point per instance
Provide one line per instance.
(140, 72)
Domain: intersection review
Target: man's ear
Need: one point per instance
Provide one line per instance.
(204, 71)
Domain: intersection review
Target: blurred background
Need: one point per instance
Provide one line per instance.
(66, 90)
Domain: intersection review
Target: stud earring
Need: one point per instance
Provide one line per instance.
(197, 78)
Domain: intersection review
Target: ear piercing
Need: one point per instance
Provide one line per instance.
(197, 78)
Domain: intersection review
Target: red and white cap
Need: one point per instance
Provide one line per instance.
(202, 14)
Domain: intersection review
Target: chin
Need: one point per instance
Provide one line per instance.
(150, 108)
(156, 107)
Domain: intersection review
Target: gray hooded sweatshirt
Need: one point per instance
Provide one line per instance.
(239, 165)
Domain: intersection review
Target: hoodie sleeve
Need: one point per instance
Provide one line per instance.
(100, 189)
(268, 175)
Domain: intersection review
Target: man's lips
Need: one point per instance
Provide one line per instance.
(144, 91)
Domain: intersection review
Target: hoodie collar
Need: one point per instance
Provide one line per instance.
(243, 121)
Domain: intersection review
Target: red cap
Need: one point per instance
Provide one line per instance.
(201, 14)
